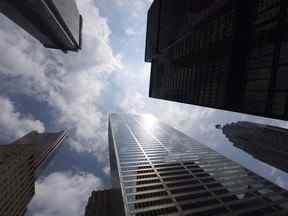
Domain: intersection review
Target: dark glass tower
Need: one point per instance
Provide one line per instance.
(20, 164)
(56, 24)
(224, 54)
(264, 142)
(157, 170)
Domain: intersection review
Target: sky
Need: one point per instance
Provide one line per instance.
(48, 90)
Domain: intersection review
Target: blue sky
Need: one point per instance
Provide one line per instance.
(44, 89)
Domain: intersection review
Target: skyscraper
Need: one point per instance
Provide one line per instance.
(45, 145)
(157, 170)
(56, 24)
(16, 179)
(20, 164)
(264, 142)
(101, 203)
(224, 54)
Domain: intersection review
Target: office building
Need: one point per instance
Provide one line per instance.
(157, 170)
(16, 179)
(20, 164)
(45, 146)
(101, 203)
(229, 55)
(56, 24)
(264, 142)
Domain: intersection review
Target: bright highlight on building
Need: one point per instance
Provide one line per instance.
(161, 171)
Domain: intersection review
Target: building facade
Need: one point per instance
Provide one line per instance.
(158, 170)
(264, 142)
(16, 179)
(101, 203)
(224, 54)
(45, 146)
(56, 24)
(20, 164)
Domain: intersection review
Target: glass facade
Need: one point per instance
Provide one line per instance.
(161, 171)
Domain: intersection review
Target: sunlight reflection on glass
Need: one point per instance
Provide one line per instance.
(149, 121)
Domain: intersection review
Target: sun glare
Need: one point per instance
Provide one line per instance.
(149, 121)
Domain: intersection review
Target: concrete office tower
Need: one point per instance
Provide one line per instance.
(56, 24)
(264, 142)
(224, 54)
(45, 145)
(20, 164)
(158, 170)
(16, 179)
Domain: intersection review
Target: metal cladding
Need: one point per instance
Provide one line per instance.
(56, 24)
(224, 54)
(161, 171)
(264, 142)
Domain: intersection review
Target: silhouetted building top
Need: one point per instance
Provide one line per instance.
(101, 203)
(157, 170)
(55, 23)
(264, 142)
(224, 54)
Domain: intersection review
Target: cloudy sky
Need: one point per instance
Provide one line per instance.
(47, 90)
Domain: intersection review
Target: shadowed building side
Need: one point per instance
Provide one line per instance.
(264, 142)
(224, 54)
(56, 24)
(101, 203)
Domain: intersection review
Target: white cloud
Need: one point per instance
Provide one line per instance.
(72, 84)
(63, 194)
(13, 124)
(96, 53)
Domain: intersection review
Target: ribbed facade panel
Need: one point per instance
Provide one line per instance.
(16, 179)
(164, 172)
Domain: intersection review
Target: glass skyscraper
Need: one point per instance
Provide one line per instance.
(157, 170)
